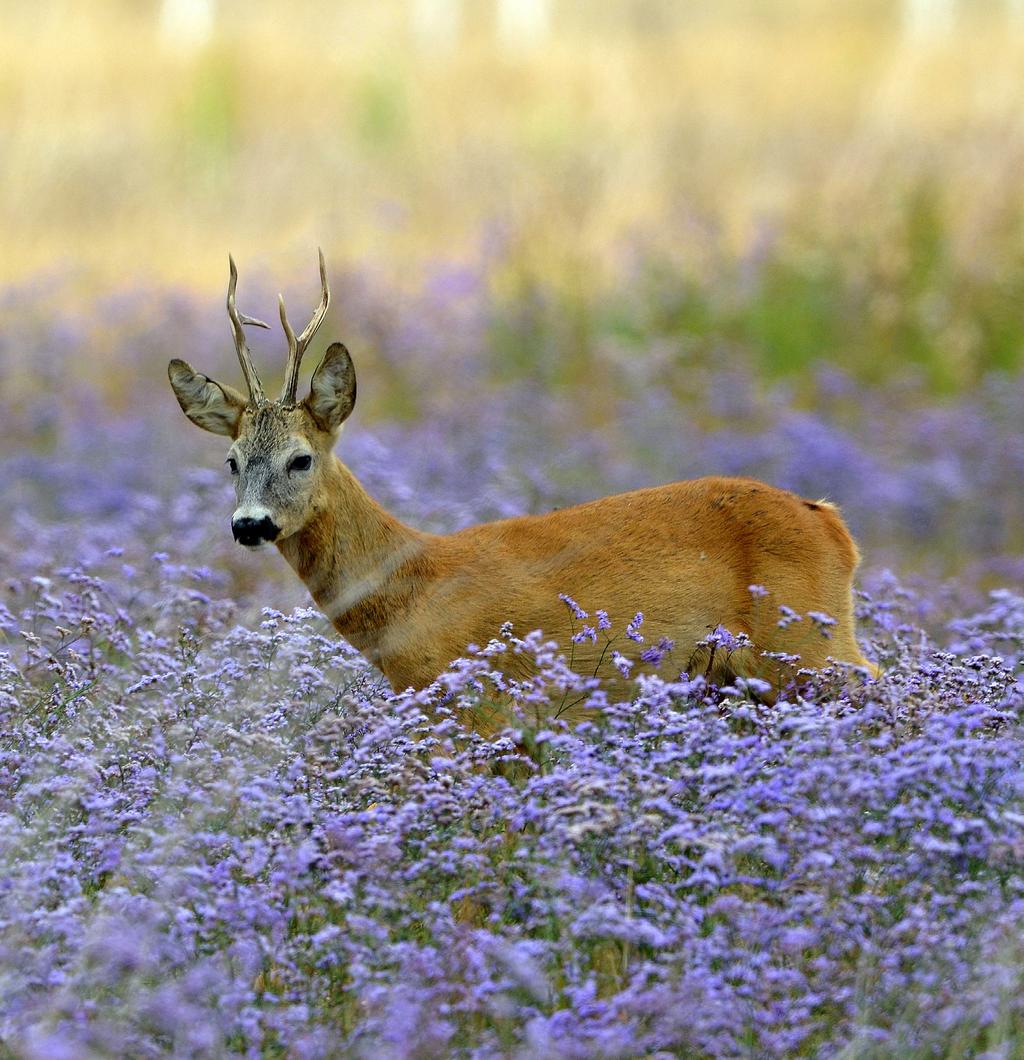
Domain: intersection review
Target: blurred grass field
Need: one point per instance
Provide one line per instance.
(798, 179)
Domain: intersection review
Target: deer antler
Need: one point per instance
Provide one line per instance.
(297, 346)
(252, 380)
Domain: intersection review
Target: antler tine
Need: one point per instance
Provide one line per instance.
(252, 380)
(297, 346)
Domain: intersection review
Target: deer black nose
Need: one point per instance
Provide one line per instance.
(254, 531)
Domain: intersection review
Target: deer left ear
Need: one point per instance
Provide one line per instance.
(208, 404)
(332, 393)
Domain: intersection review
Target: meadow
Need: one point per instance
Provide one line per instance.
(221, 833)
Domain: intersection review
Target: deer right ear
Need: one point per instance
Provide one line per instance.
(213, 406)
(332, 390)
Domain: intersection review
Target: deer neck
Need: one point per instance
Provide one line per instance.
(362, 566)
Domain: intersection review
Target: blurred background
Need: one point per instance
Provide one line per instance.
(826, 179)
(776, 237)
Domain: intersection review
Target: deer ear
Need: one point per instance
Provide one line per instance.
(213, 406)
(332, 393)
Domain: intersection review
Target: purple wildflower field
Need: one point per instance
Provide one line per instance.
(223, 834)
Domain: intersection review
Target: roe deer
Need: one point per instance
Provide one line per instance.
(685, 554)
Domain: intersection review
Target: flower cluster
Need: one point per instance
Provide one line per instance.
(234, 838)
(223, 834)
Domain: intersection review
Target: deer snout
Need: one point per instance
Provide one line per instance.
(254, 530)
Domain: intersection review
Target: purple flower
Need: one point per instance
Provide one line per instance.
(574, 607)
(586, 633)
(654, 655)
(224, 833)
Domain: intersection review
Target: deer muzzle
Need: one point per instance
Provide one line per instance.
(253, 532)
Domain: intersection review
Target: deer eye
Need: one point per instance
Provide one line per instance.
(232, 465)
(300, 463)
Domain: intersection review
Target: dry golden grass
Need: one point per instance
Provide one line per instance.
(127, 155)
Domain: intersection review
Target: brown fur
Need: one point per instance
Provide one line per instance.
(685, 554)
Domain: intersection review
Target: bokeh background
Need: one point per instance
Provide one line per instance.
(865, 159)
(574, 247)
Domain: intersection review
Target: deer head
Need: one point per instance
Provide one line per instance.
(281, 450)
